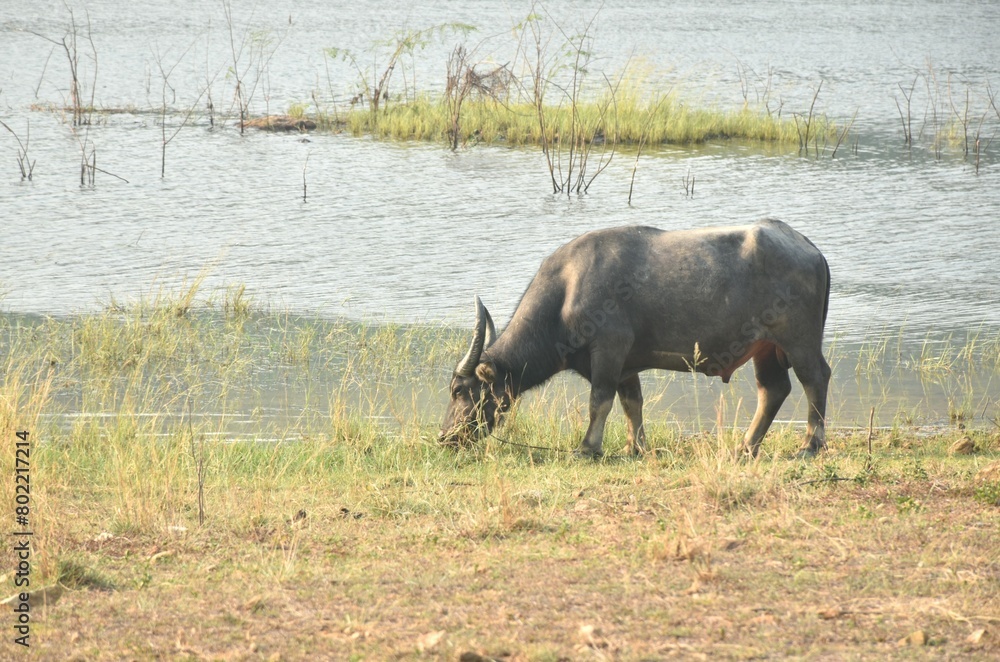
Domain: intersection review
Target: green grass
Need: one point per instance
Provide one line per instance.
(213, 479)
(631, 119)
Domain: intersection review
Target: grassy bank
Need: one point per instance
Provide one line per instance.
(177, 515)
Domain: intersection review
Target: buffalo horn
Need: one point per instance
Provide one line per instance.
(467, 366)
(491, 331)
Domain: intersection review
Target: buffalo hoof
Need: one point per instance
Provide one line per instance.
(807, 453)
(637, 450)
(588, 453)
(452, 443)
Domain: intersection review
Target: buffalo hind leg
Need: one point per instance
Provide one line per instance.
(814, 374)
(773, 386)
(630, 395)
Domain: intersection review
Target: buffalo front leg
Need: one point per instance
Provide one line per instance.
(773, 386)
(630, 395)
(814, 374)
(605, 375)
(602, 396)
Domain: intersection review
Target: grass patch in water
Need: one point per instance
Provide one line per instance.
(652, 122)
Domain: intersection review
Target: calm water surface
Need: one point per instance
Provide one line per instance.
(409, 232)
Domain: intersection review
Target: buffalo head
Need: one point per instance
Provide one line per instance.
(477, 398)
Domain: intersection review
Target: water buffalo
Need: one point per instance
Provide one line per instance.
(612, 303)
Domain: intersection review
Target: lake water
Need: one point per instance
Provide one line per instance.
(409, 232)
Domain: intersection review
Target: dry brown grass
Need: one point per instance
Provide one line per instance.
(561, 560)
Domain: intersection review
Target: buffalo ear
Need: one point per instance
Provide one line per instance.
(486, 372)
